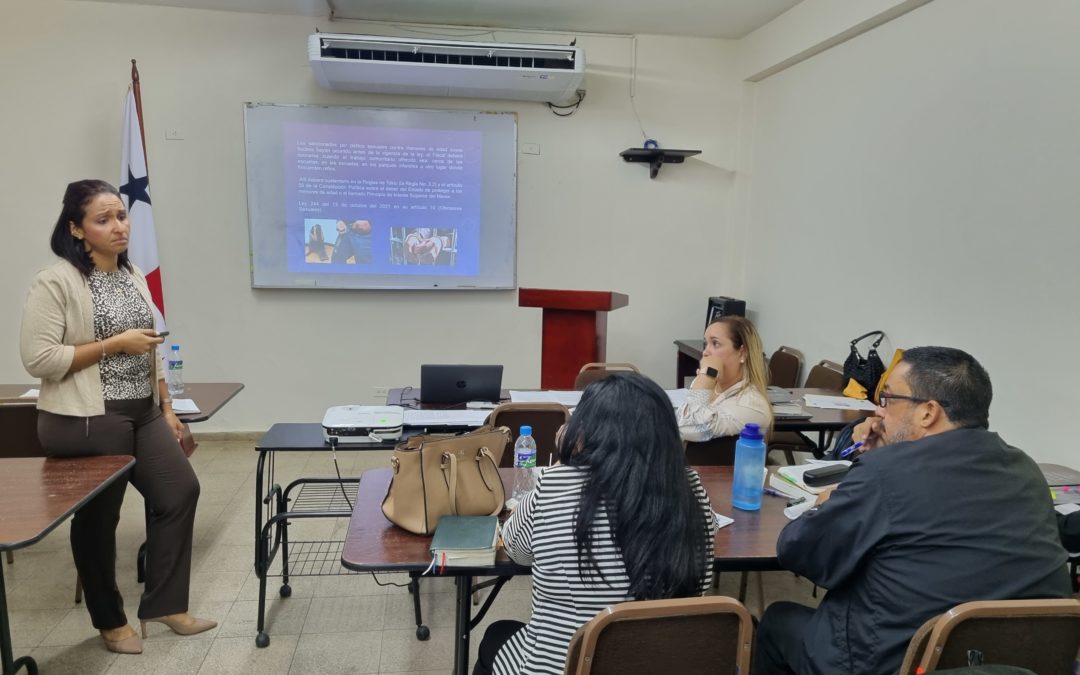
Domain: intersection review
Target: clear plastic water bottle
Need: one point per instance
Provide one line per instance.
(749, 469)
(524, 458)
(175, 375)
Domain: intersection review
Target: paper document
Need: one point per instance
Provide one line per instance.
(722, 520)
(30, 393)
(567, 398)
(677, 396)
(837, 402)
(793, 512)
(445, 418)
(184, 406)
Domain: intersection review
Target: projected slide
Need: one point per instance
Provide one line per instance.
(380, 201)
(342, 197)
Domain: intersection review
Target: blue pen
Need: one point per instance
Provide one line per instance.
(844, 454)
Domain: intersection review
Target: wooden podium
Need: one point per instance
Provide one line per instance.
(575, 330)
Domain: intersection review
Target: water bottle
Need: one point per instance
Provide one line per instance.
(524, 458)
(175, 374)
(749, 469)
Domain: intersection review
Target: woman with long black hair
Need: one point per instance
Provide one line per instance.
(621, 518)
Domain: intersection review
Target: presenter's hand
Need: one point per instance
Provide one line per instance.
(869, 433)
(136, 341)
(175, 425)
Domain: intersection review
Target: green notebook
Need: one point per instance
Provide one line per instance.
(465, 541)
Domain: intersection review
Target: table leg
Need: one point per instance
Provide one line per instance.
(11, 664)
(261, 553)
(461, 624)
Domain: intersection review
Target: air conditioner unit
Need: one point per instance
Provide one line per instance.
(388, 65)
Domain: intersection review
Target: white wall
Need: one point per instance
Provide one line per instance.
(586, 220)
(922, 179)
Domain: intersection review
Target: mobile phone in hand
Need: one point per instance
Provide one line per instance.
(163, 334)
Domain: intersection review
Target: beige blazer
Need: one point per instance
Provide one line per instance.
(58, 315)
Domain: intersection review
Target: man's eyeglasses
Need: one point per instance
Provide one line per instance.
(885, 397)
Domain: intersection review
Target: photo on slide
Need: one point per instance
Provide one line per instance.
(423, 246)
(337, 241)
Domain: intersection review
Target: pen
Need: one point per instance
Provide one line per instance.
(796, 502)
(845, 453)
(774, 493)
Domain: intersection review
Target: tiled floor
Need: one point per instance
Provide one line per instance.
(341, 624)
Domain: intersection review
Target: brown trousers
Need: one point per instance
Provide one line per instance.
(166, 480)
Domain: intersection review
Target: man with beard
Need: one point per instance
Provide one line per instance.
(940, 511)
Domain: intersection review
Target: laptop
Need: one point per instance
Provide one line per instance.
(445, 383)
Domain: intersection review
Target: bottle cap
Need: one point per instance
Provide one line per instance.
(752, 432)
(176, 348)
(526, 430)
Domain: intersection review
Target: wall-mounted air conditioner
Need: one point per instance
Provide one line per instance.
(388, 65)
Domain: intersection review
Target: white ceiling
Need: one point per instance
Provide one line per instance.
(702, 18)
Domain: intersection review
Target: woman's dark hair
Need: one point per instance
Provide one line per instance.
(624, 431)
(63, 242)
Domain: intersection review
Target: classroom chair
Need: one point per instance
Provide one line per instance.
(545, 420)
(591, 372)
(1040, 635)
(825, 375)
(690, 636)
(785, 366)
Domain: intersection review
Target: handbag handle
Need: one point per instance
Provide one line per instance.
(880, 334)
(449, 458)
(451, 479)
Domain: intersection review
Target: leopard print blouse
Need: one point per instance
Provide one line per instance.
(118, 306)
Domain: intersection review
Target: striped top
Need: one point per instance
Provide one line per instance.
(540, 533)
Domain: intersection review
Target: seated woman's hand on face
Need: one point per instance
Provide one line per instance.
(703, 381)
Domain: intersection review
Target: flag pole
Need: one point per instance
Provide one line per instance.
(137, 91)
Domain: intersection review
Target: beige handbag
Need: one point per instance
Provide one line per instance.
(449, 475)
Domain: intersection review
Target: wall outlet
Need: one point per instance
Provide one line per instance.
(380, 393)
(174, 134)
(530, 148)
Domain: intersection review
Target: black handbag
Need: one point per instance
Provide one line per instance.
(866, 371)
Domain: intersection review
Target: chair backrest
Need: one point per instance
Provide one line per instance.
(591, 372)
(18, 431)
(1041, 635)
(826, 375)
(917, 646)
(689, 636)
(785, 366)
(545, 420)
(718, 451)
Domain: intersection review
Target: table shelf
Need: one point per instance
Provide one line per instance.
(315, 558)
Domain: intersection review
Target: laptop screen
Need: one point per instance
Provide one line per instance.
(446, 383)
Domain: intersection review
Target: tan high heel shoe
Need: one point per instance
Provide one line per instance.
(131, 644)
(181, 624)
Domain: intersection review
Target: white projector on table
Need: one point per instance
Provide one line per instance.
(363, 423)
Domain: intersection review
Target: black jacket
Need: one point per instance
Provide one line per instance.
(915, 529)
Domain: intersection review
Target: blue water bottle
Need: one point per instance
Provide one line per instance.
(749, 469)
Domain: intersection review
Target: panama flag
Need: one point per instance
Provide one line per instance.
(135, 187)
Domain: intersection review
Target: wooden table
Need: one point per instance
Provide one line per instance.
(210, 397)
(36, 495)
(374, 544)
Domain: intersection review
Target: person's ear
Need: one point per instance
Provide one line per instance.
(74, 229)
(932, 414)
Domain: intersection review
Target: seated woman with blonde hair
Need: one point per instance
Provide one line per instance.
(729, 390)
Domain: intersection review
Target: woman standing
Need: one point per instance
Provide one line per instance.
(729, 390)
(87, 332)
(621, 518)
